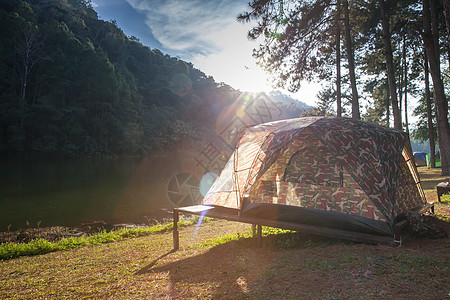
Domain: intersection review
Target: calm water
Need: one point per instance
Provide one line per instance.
(52, 192)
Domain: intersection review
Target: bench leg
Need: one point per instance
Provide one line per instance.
(259, 237)
(176, 241)
(257, 232)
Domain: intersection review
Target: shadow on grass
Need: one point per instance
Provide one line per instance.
(232, 270)
(147, 268)
(222, 272)
(429, 178)
(296, 266)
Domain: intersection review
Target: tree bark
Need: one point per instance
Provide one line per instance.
(440, 101)
(351, 63)
(388, 108)
(429, 113)
(447, 24)
(405, 84)
(390, 67)
(26, 49)
(400, 89)
(338, 59)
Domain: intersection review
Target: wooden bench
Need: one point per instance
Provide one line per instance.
(231, 214)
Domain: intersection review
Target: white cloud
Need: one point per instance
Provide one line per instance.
(186, 26)
(207, 33)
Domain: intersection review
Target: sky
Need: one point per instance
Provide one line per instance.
(203, 32)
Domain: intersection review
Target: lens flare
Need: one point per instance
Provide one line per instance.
(206, 182)
(247, 97)
(241, 112)
(200, 220)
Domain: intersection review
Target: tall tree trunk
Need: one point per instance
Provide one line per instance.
(400, 88)
(27, 46)
(447, 23)
(429, 114)
(401, 84)
(351, 63)
(390, 67)
(440, 101)
(388, 107)
(405, 84)
(338, 59)
(400, 91)
(406, 105)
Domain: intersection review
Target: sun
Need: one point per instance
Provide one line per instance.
(237, 70)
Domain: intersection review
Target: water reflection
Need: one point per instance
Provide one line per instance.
(67, 192)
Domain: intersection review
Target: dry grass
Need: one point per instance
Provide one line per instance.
(206, 268)
(429, 178)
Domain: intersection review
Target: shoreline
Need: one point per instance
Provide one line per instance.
(58, 232)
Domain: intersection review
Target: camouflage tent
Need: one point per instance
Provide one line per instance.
(331, 172)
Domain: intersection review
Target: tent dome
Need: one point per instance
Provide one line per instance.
(326, 171)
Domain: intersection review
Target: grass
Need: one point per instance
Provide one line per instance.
(219, 260)
(231, 267)
(42, 246)
(429, 178)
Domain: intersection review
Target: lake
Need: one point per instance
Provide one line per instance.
(69, 192)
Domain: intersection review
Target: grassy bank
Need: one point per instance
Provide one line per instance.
(42, 246)
(218, 260)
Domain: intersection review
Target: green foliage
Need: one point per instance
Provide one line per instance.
(421, 131)
(376, 111)
(224, 239)
(92, 92)
(298, 38)
(42, 246)
(442, 216)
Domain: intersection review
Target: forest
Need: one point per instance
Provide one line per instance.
(72, 85)
(372, 55)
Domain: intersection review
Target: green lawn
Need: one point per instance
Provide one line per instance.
(218, 260)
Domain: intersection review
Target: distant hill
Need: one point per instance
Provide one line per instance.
(418, 146)
(74, 85)
(278, 96)
(292, 108)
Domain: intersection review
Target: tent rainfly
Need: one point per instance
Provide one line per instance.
(325, 172)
